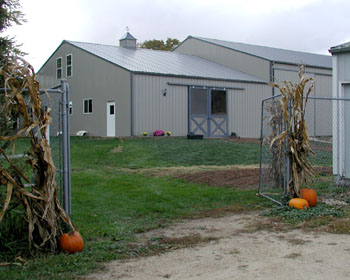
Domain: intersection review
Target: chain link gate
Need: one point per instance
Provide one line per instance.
(57, 98)
(58, 101)
(321, 120)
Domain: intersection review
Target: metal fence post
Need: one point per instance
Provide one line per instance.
(66, 147)
(261, 144)
(286, 156)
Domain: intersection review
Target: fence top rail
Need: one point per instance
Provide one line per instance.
(271, 97)
(42, 91)
(328, 98)
(311, 97)
(14, 156)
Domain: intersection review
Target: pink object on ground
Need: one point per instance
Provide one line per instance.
(158, 133)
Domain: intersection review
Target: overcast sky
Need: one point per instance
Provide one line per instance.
(303, 25)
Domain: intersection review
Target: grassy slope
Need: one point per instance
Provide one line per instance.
(111, 206)
(152, 152)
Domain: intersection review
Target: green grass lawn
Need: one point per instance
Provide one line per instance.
(111, 205)
(161, 152)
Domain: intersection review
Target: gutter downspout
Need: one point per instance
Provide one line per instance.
(272, 76)
(131, 104)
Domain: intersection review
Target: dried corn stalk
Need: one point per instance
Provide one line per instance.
(21, 99)
(294, 100)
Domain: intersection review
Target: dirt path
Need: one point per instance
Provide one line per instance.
(235, 249)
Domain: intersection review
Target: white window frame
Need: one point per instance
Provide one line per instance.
(71, 65)
(59, 68)
(89, 110)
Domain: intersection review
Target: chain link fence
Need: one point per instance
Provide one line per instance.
(58, 134)
(58, 100)
(274, 162)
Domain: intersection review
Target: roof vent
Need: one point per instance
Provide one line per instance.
(128, 41)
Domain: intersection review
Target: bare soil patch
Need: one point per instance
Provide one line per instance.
(179, 170)
(241, 178)
(241, 140)
(236, 176)
(117, 149)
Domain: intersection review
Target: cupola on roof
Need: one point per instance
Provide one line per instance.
(128, 41)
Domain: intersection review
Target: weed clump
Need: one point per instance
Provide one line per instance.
(294, 215)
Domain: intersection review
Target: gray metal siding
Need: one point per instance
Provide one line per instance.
(47, 79)
(295, 68)
(319, 113)
(245, 109)
(343, 60)
(323, 109)
(152, 110)
(230, 58)
(285, 75)
(48, 100)
(97, 79)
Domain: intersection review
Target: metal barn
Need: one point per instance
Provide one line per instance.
(341, 112)
(202, 87)
(272, 65)
(123, 91)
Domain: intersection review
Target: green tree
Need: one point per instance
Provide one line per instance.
(160, 45)
(9, 14)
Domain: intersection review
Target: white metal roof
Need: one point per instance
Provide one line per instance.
(164, 63)
(275, 54)
(340, 48)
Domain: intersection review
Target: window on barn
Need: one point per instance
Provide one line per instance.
(199, 101)
(59, 68)
(69, 66)
(218, 102)
(87, 106)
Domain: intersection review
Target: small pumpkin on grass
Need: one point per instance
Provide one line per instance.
(298, 203)
(71, 242)
(309, 195)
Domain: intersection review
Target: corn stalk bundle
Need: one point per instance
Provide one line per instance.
(45, 216)
(294, 100)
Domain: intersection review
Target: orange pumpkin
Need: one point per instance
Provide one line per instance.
(71, 242)
(298, 203)
(310, 195)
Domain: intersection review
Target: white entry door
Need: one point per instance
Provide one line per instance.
(111, 118)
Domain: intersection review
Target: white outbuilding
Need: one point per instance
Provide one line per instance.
(341, 112)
